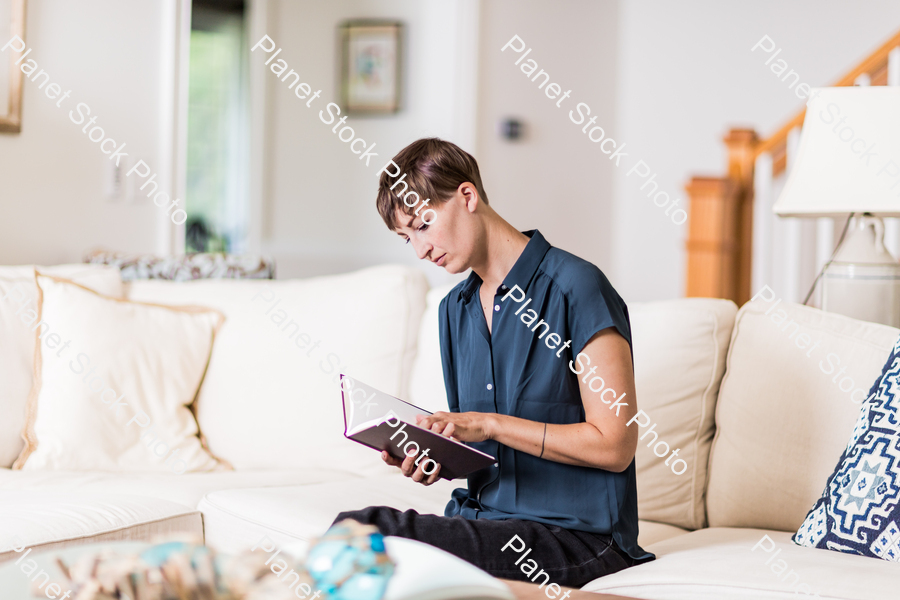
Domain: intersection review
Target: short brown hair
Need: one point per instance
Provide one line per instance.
(434, 170)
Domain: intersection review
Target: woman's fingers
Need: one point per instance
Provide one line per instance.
(444, 429)
(434, 476)
(418, 476)
(389, 459)
(408, 466)
(410, 469)
(426, 479)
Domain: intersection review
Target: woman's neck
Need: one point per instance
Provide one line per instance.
(503, 246)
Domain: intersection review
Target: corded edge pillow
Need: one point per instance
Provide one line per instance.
(115, 382)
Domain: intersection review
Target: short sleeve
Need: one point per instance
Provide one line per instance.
(593, 305)
(447, 354)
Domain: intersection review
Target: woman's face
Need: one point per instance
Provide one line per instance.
(450, 241)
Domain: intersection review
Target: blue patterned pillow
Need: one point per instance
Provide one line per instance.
(859, 511)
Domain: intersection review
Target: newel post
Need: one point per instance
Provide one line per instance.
(742, 144)
(721, 225)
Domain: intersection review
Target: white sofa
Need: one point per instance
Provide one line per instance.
(757, 421)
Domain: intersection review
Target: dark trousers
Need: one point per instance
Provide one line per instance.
(570, 558)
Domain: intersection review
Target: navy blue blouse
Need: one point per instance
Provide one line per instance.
(513, 370)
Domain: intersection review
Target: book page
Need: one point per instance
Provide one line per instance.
(428, 573)
(365, 407)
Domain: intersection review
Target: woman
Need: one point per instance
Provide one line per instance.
(532, 343)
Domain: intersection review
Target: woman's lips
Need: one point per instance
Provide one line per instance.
(440, 262)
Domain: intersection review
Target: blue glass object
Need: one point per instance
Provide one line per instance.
(349, 562)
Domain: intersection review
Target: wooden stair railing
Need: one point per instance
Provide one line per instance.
(720, 229)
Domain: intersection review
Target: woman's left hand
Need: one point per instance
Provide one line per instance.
(465, 427)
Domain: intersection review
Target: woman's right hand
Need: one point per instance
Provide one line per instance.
(409, 468)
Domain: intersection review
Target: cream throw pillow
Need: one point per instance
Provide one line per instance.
(679, 360)
(115, 383)
(18, 303)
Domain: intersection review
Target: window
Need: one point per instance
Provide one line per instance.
(217, 124)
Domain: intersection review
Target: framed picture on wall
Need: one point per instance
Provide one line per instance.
(370, 66)
(12, 24)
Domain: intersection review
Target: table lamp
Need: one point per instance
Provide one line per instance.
(848, 163)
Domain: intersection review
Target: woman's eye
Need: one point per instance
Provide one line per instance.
(407, 240)
(422, 227)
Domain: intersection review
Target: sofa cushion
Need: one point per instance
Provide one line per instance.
(650, 532)
(271, 398)
(187, 489)
(679, 359)
(147, 361)
(55, 520)
(17, 340)
(721, 564)
(859, 511)
(235, 520)
(782, 420)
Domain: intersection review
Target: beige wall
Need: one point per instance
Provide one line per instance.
(555, 179)
(666, 78)
(320, 200)
(319, 207)
(686, 75)
(52, 178)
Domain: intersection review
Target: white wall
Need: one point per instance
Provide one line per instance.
(666, 78)
(319, 200)
(686, 75)
(555, 179)
(52, 178)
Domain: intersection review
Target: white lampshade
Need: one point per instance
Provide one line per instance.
(849, 155)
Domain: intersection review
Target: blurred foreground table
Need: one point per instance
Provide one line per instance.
(15, 584)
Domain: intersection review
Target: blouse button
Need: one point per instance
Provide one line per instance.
(490, 387)
(496, 307)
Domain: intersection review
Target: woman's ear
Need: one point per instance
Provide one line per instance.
(470, 195)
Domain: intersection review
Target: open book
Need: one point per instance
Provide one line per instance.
(428, 573)
(382, 422)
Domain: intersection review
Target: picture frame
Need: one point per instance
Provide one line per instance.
(371, 66)
(12, 19)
